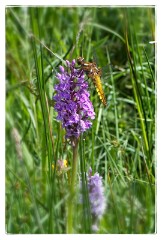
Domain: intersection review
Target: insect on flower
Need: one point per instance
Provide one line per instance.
(93, 72)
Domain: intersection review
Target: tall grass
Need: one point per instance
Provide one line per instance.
(121, 143)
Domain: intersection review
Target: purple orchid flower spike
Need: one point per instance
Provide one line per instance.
(73, 105)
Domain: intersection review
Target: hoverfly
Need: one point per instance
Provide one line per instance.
(93, 72)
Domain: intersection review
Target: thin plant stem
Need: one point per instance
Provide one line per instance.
(72, 189)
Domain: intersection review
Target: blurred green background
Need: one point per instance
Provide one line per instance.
(121, 143)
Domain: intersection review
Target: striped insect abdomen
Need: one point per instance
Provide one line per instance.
(97, 82)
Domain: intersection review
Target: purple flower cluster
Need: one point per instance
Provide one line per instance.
(73, 105)
(97, 198)
(96, 194)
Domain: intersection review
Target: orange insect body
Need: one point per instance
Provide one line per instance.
(97, 82)
(95, 74)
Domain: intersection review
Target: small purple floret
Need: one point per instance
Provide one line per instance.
(73, 105)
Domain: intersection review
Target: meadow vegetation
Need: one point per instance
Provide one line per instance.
(120, 145)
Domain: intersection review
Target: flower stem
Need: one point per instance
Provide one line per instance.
(71, 202)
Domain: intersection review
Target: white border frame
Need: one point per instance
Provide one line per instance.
(158, 39)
